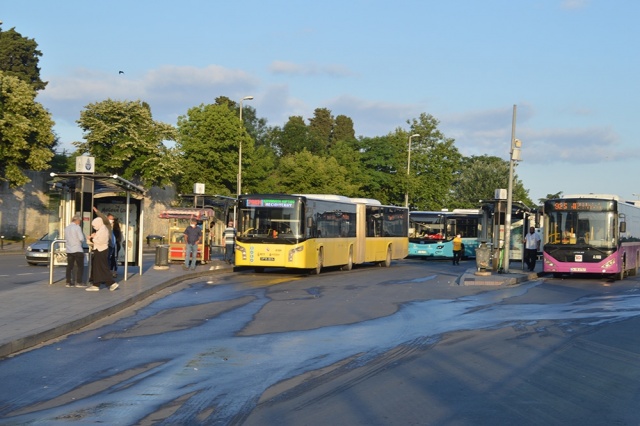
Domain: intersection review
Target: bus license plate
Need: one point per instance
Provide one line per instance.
(268, 259)
(578, 269)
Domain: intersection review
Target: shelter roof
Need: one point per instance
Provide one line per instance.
(102, 182)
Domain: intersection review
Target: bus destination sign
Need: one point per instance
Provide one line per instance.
(581, 205)
(263, 202)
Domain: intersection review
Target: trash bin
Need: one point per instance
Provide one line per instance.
(162, 255)
(483, 256)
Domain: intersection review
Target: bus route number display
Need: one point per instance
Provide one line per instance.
(583, 205)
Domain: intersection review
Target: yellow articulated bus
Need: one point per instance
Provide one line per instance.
(312, 231)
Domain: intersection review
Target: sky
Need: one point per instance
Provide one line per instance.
(564, 71)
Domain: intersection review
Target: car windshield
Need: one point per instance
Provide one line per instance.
(50, 236)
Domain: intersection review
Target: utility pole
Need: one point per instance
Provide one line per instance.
(514, 155)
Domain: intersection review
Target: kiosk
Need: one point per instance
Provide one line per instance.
(178, 219)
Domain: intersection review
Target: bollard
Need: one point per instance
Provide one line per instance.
(24, 239)
(1, 242)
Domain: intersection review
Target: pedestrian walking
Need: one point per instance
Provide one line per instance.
(192, 237)
(100, 265)
(531, 248)
(74, 244)
(457, 249)
(229, 242)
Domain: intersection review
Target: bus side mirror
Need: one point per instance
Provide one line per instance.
(623, 227)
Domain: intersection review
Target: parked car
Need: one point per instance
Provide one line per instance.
(38, 252)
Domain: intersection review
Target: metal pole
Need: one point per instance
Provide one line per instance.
(239, 182)
(406, 193)
(507, 219)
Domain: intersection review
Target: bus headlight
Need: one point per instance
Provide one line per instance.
(609, 264)
(242, 250)
(294, 251)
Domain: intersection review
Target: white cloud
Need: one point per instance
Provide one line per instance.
(290, 68)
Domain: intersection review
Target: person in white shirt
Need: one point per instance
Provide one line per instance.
(229, 242)
(531, 248)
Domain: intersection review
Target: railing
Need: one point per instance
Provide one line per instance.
(52, 257)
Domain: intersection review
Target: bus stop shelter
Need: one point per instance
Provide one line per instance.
(80, 192)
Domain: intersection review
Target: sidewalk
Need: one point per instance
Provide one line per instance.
(38, 312)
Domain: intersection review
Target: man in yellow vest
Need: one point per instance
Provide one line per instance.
(457, 249)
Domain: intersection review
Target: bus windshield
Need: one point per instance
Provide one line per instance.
(426, 224)
(270, 219)
(596, 229)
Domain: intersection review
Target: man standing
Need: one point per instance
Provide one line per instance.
(74, 242)
(457, 249)
(531, 248)
(229, 242)
(192, 237)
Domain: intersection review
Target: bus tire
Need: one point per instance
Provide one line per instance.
(349, 264)
(318, 268)
(387, 260)
(620, 275)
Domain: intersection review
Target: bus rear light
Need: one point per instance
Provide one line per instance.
(293, 251)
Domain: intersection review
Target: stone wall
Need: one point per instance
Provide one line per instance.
(26, 211)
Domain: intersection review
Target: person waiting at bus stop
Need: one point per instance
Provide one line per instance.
(192, 236)
(531, 248)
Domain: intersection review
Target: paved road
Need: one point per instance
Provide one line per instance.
(403, 345)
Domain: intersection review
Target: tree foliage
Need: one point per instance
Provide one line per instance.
(480, 176)
(125, 140)
(26, 135)
(209, 141)
(19, 57)
(304, 172)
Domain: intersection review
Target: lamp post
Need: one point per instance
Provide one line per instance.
(239, 179)
(514, 155)
(406, 194)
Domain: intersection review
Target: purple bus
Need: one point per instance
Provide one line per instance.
(591, 234)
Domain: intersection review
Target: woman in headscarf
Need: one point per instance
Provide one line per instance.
(100, 265)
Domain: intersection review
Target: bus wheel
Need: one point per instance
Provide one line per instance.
(349, 264)
(318, 268)
(620, 275)
(387, 261)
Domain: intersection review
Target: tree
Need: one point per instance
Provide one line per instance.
(304, 172)
(125, 140)
(550, 197)
(26, 136)
(209, 138)
(478, 179)
(320, 131)
(434, 163)
(294, 136)
(380, 161)
(19, 57)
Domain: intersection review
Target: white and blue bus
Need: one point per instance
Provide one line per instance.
(431, 232)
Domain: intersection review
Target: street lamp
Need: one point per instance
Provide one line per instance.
(406, 194)
(239, 181)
